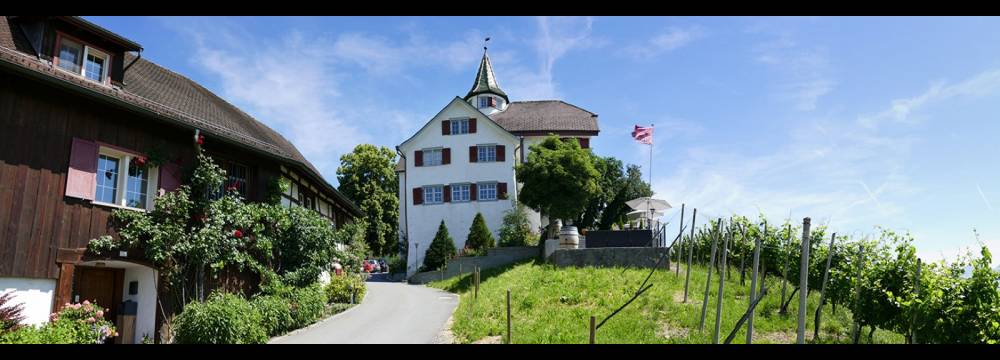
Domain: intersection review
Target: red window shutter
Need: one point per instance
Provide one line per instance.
(473, 154)
(81, 177)
(493, 101)
(472, 125)
(446, 127)
(501, 190)
(584, 142)
(170, 176)
(418, 196)
(418, 158)
(501, 153)
(447, 193)
(473, 193)
(446, 156)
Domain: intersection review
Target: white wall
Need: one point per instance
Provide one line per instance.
(423, 220)
(37, 296)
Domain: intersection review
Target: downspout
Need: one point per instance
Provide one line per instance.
(138, 56)
(406, 214)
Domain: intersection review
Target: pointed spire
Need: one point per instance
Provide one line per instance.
(486, 81)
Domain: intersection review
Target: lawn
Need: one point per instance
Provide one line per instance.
(554, 305)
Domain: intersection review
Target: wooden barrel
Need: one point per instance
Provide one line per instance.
(569, 237)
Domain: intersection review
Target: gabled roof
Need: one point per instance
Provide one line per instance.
(168, 96)
(453, 101)
(544, 116)
(486, 81)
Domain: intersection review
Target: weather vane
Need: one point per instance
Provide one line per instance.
(484, 43)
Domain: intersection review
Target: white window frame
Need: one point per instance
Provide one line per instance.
(483, 153)
(87, 50)
(481, 188)
(437, 190)
(440, 156)
(458, 189)
(484, 102)
(124, 161)
(457, 126)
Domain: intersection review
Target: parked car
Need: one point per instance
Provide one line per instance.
(374, 265)
(367, 266)
(383, 265)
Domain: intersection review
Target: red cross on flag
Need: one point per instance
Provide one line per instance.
(643, 134)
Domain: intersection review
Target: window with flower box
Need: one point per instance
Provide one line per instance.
(124, 179)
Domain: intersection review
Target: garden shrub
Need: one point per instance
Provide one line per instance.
(340, 287)
(82, 323)
(515, 229)
(397, 264)
(275, 313)
(222, 319)
(479, 237)
(306, 305)
(441, 249)
(10, 314)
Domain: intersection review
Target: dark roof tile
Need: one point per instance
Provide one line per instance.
(545, 115)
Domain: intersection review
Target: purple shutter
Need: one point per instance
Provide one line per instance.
(81, 177)
(170, 176)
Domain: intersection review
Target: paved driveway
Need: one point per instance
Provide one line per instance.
(391, 313)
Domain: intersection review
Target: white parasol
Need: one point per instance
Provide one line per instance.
(648, 204)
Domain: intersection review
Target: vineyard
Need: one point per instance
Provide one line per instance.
(879, 279)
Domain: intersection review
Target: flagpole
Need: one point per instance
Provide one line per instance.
(650, 173)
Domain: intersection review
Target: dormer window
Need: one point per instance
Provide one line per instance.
(81, 59)
(487, 101)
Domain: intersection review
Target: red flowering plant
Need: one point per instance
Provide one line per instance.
(139, 162)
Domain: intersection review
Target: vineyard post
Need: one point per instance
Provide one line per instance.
(743, 269)
(680, 241)
(800, 336)
(783, 247)
(753, 284)
(687, 277)
(856, 334)
(476, 276)
(593, 331)
(822, 289)
(508, 316)
(916, 285)
(708, 283)
(722, 286)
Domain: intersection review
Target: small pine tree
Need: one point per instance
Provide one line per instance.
(441, 249)
(480, 237)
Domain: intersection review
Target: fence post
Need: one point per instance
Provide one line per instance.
(856, 333)
(784, 268)
(753, 285)
(822, 289)
(476, 277)
(680, 241)
(916, 285)
(508, 316)
(708, 283)
(687, 277)
(593, 331)
(722, 285)
(800, 337)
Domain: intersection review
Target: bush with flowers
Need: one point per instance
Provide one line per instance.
(80, 323)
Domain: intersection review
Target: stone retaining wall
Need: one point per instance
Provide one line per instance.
(495, 257)
(609, 257)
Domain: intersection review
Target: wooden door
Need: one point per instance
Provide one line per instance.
(103, 286)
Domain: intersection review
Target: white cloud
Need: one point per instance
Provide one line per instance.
(803, 73)
(900, 110)
(556, 37)
(671, 39)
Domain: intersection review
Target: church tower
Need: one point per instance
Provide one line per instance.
(486, 94)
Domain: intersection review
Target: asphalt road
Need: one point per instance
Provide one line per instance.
(391, 313)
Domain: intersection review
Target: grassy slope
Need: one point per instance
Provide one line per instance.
(553, 305)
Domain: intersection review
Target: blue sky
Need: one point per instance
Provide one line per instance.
(855, 122)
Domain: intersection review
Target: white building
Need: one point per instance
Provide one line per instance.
(461, 162)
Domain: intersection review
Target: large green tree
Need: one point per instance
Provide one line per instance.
(616, 211)
(367, 176)
(559, 178)
(611, 182)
